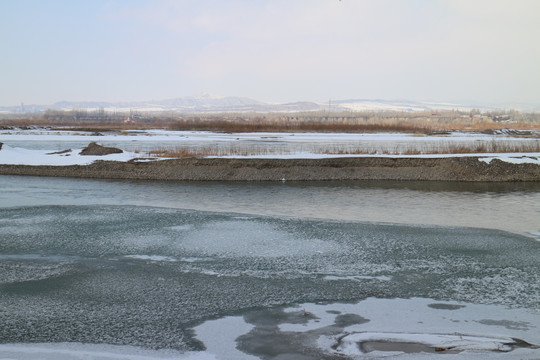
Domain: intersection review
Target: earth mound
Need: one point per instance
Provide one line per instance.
(96, 149)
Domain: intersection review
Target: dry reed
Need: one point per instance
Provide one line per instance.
(492, 146)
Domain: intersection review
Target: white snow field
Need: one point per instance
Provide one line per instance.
(46, 147)
(22, 156)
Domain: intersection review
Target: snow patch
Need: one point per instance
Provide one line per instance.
(351, 344)
(154, 258)
(358, 277)
(181, 227)
(20, 156)
(522, 158)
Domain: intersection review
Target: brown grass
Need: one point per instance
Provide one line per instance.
(420, 123)
(216, 150)
(179, 153)
(280, 125)
(494, 146)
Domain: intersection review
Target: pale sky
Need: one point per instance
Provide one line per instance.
(271, 50)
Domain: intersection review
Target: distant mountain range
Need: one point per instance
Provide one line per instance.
(206, 103)
(189, 104)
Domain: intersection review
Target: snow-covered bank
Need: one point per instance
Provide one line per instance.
(161, 134)
(263, 143)
(21, 156)
(514, 158)
(266, 156)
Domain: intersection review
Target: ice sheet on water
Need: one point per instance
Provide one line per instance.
(448, 327)
(393, 259)
(102, 278)
(220, 337)
(13, 224)
(367, 329)
(237, 238)
(375, 328)
(78, 351)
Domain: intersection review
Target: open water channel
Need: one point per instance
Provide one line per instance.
(102, 269)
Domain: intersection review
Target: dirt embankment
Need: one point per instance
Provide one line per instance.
(440, 169)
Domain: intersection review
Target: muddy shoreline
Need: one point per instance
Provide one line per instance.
(221, 169)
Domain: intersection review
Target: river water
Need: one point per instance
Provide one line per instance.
(118, 269)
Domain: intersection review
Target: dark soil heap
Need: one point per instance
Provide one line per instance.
(96, 149)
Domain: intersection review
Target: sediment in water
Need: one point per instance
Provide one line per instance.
(224, 169)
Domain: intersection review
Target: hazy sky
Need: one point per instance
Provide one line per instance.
(274, 50)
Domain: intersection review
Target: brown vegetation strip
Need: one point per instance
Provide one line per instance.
(444, 147)
(191, 169)
(318, 121)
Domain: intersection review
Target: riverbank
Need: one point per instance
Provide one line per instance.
(464, 168)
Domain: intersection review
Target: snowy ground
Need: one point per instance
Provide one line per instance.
(44, 147)
(21, 156)
(158, 135)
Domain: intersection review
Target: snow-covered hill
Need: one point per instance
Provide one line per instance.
(205, 103)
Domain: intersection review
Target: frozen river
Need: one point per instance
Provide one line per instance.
(142, 141)
(95, 269)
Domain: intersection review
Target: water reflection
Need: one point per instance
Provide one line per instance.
(506, 206)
